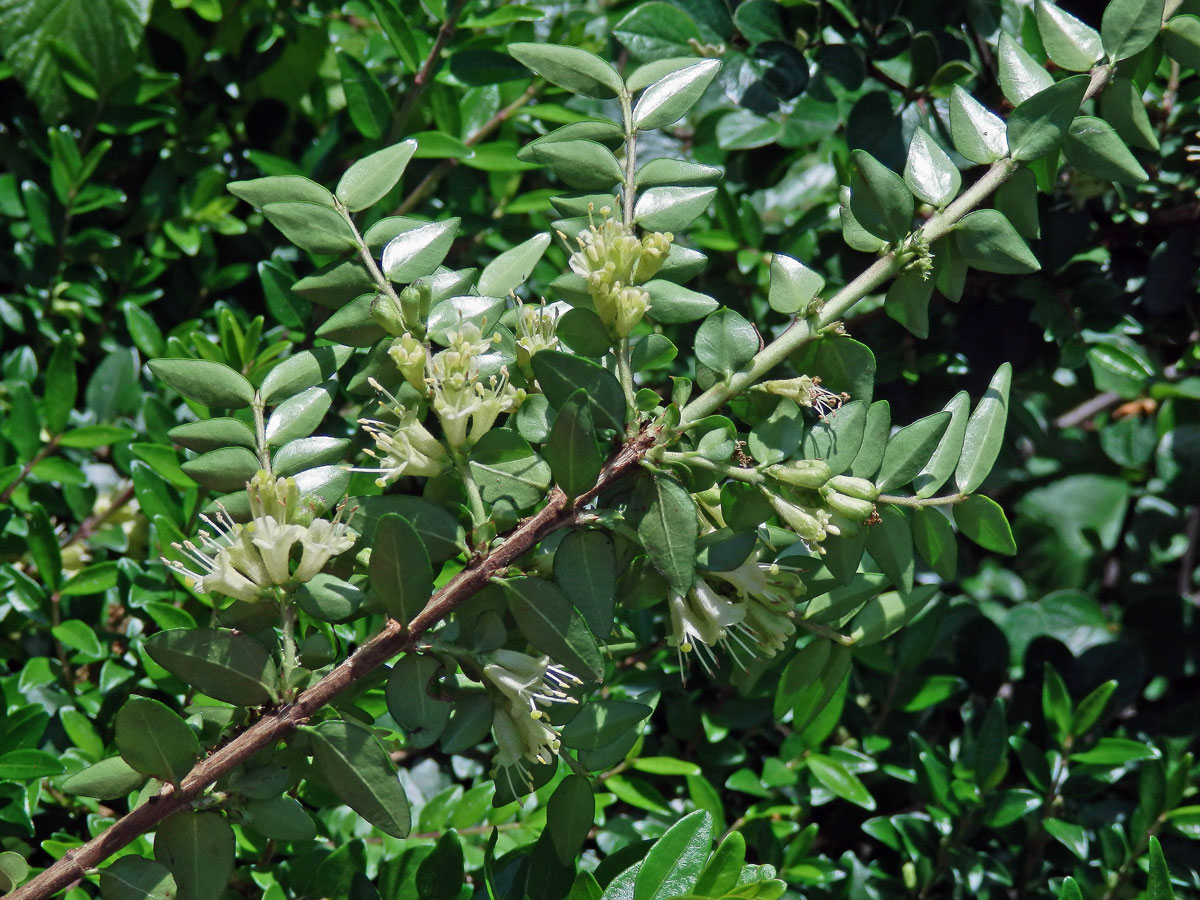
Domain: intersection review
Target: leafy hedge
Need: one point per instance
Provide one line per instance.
(681, 608)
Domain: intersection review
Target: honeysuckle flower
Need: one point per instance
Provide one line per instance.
(402, 448)
(771, 627)
(614, 263)
(771, 585)
(536, 327)
(520, 738)
(410, 356)
(527, 681)
(467, 406)
(274, 541)
(215, 569)
(701, 619)
(322, 541)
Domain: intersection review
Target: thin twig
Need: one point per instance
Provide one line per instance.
(89, 525)
(424, 76)
(46, 449)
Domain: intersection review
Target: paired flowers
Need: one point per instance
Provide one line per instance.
(245, 562)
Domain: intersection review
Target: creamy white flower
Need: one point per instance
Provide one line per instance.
(701, 619)
(225, 561)
(322, 540)
(402, 448)
(774, 587)
(520, 726)
(274, 541)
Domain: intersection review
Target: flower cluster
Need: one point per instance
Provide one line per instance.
(245, 562)
(536, 331)
(465, 404)
(526, 683)
(402, 448)
(614, 263)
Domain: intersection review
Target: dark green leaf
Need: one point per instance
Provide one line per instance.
(357, 768)
(585, 566)
(311, 226)
(223, 470)
(422, 717)
(330, 599)
(506, 467)
(1115, 751)
(982, 520)
(655, 30)
(978, 133)
(879, 198)
(839, 780)
(205, 382)
(440, 874)
(440, 532)
(368, 104)
(224, 664)
(154, 740)
(987, 241)
(1070, 43)
(108, 779)
(371, 178)
(838, 437)
(585, 165)
(1037, 125)
(136, 878)
(1129, 26)
(890, 544)
(571, 449)
(301, 371)
(907, 301)
(281, 818)
(793, 285)
(670, 97)
(673, 304)
(29, 764)
(933, 537)
(553, 625)
(560, 374)
(198, 848)
(1021, 76)
(508, 271)
(885, 614)
(985, 433)
(671, 208)
(43, 547)
(1093, 147)
(669, 530)
(1158, 884)
(401, 575)
(676, 859)
(929, 173)
(725, 342)
(213, 434)
(569, 817)
(1181, 39)
(280, 189)
(418, 251)
(571, 68)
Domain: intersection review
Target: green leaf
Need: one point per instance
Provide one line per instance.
(584, 332)
(838, 437)
(725, 342)
(656, 30)
(928, 171)
(198, 848)
(154, 740)
(209, 383)
(37, 37)
(401, 575)
(223, 470)
(63, 387)
(585, 567)
(875, 434)
(1181, 40)
(43, 547)
(793, 285)
(982, 520)
(569, 817)
(298, 416)
(306, 453)
(879, 198)
(1088, 712)
(571, 68)
(721, 873)
(311, 226)
(1021, 76)
(571, 449)
(584, 165)
(1017, 201)
(602, 722)
(885, 614)
(91, 436)
(420, 716)
(281, 818)
(136, 878)
(301, 371)
(368, 104)
(985, 432)
(907, 301)
(559, 375)
(676, 859)
(354, 324)
(839, 780)
(987, 241)
(1158, 883)
(655, 70)
(673, 304)
(330, 599)
(669, 98)
(1037, 125)
(910, 449)
(1070, 890)
(853, 233)
(1115, 751)
(978, 133)
(213, 434)
(13, 870)
(664, 171)
(551, 623)
(1070, 43)
(29, 764)
(1130, 26)
(440, 875)
(226, 665)
(669, 530)
(890, 544)
(109, 779)
(258, 192)
(508, 271)
(506, 467)
(945, 458)
(418, 251)
(842, 364)
(442, 534)
(671, 208)
(371, 178)
(1093, 147)
(358, 769)
(1122, 107)
(335, 284)
(933, 537)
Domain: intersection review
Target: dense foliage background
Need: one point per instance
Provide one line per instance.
(1037, 723)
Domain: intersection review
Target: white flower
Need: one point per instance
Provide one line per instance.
(226, 563)
(322, 540)
(527, 683)
(466, 406)
(774, 587)
(403, 448)
(274, 542)
(703, 618)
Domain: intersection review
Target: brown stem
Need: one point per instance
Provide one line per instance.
(430, 181)
(425, 74)
(89, 525)
(45, 451)
(278, 723)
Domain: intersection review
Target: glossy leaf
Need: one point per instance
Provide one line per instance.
(571, 449)
(506, 468)
(838, 437)
(108, 779)
(311, 226)
(988, 242)
(418, 251)
(1158, 884)
(137, 878)
(793, 285)
(985, 433)
(366, 102)
(401, 575)
(669, 531)
(1037, 125)
(1129, 26)
(910, 449)
(982, 520)
(576, 70)
(585, 566)
(839, 780)
(979, 134)
(358, 769)
(1093, 146)
(259, 192)
(669, 98)
(928, 171)
(422, 717)
(673, 304)
(1021, 76)
(508, 271)
(371, 178)
(584, 165)
(934, 540)
(559, 375)
(198, 848)
(725, 342)
(944, 461)
(1069, 42)
(302, 370)
(676, 859)
(879, 199)
(671, 208)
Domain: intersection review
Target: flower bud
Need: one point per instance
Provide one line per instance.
(803, 473)
(853, 508)
(861, 488)
(409, 355)
(388, 315)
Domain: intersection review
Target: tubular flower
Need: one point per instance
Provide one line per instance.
(536, 326)
(614, 262)
(810, 524)
(703, 618)
(774, 587)
(410, 355)
(403, 448)
(245, 561)
(466, 406)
